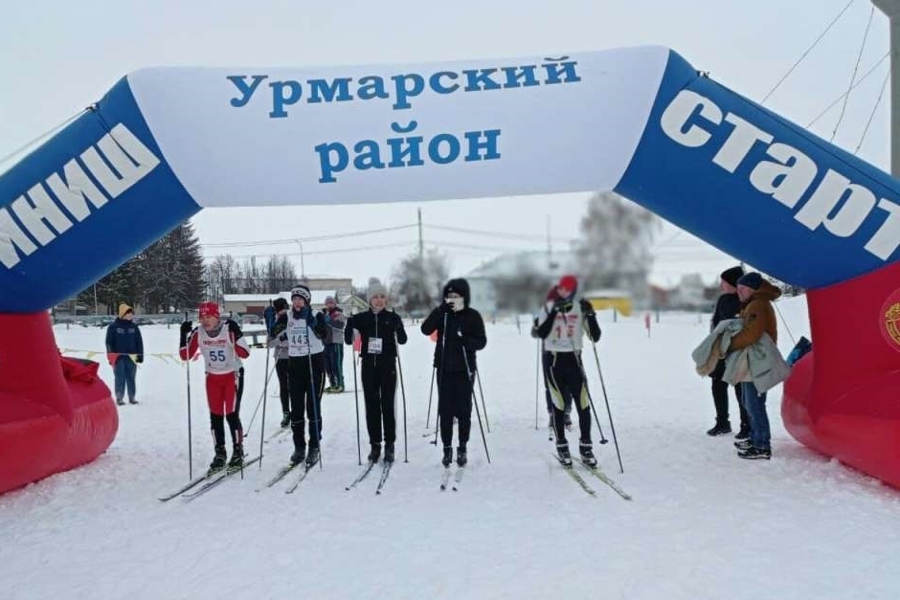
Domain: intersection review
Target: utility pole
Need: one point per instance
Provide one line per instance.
(421, 240)
(549, 248)
(891, 9)
(302, 268)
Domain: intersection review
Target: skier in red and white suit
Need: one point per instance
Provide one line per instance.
(222, 343)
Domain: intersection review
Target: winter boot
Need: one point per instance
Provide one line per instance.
(299, 454)
(120, 402)
(313, 457)
(330, 389)
(448, 456)
(743, 444)
(744, 433)
(218, 461)
(586, 450)
(237, 457)
(132, 401)
(375, 453)
(285, 420)
(754, 453)
(461, 458)
(388, 453)
(562, 450)
(338, 389)
(720, 429)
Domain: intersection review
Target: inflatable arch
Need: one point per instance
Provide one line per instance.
(640, 121)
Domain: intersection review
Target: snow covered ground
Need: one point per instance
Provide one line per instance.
(703, 524)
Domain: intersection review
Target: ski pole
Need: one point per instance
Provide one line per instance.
(356, 397)
(430, 394)
(260, 401)
(188, 373)
(440, 378)
(475, 399)
(481, 391)
(608, 412)
(312, 389)
(262, 431)
(537, 384)
(403, 394)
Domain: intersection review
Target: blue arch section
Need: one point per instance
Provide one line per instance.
(81, 241)
(723, 207)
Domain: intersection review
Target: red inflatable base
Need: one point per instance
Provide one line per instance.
(843, 398)
(55, 413)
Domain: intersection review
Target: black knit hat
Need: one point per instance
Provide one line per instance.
(730, 276)
(280, 304)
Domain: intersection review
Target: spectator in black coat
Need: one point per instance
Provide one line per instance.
(728, 306)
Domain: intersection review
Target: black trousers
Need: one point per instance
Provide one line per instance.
(281, 370)
(568, 388)
(720, 399)
(454, 401)
(306, 397)
(379, 389)
(239, 392)
(217, 425)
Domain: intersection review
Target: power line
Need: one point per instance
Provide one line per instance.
(334, 251)
(808, 50)
(853, 77)
(498, 234)
(872, 115)
(854, 86)
(320, 238)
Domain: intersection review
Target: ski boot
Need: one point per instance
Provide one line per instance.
(285, 420)
(448, 456)
(587, 454)
(461, 458)
(218, 461)
(299, 455)
(237, 457)
(313, 457)
(388, 453)
(562, 451)
(375, 453)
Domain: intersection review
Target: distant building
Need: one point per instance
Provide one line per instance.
(549, 267)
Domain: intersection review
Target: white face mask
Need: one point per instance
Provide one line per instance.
(456, 303)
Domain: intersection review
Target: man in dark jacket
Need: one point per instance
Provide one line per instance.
(728, 306)
(460, 330)
(381, 330)
(124, 348)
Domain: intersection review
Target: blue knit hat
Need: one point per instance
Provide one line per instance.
(751, 280)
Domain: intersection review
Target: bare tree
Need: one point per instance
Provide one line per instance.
(614, 249)
(417, 282)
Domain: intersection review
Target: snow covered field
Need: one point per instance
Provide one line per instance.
(703, 523)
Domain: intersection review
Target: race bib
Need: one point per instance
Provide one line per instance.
(299, 342)
(375, 345)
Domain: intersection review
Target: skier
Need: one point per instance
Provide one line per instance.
(546, 358)
(221, 343)
(304, 331)
(381, 330)
(280, 355)
(334, 345)
(561, 326)
(460, 334)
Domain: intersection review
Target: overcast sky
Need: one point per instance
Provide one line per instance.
(56, 58)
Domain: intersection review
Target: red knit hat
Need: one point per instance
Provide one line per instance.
(209, 309)
(570, 282)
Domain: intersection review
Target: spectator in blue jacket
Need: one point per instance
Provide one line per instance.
(124, 348)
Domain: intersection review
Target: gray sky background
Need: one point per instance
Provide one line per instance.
(56, 58)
